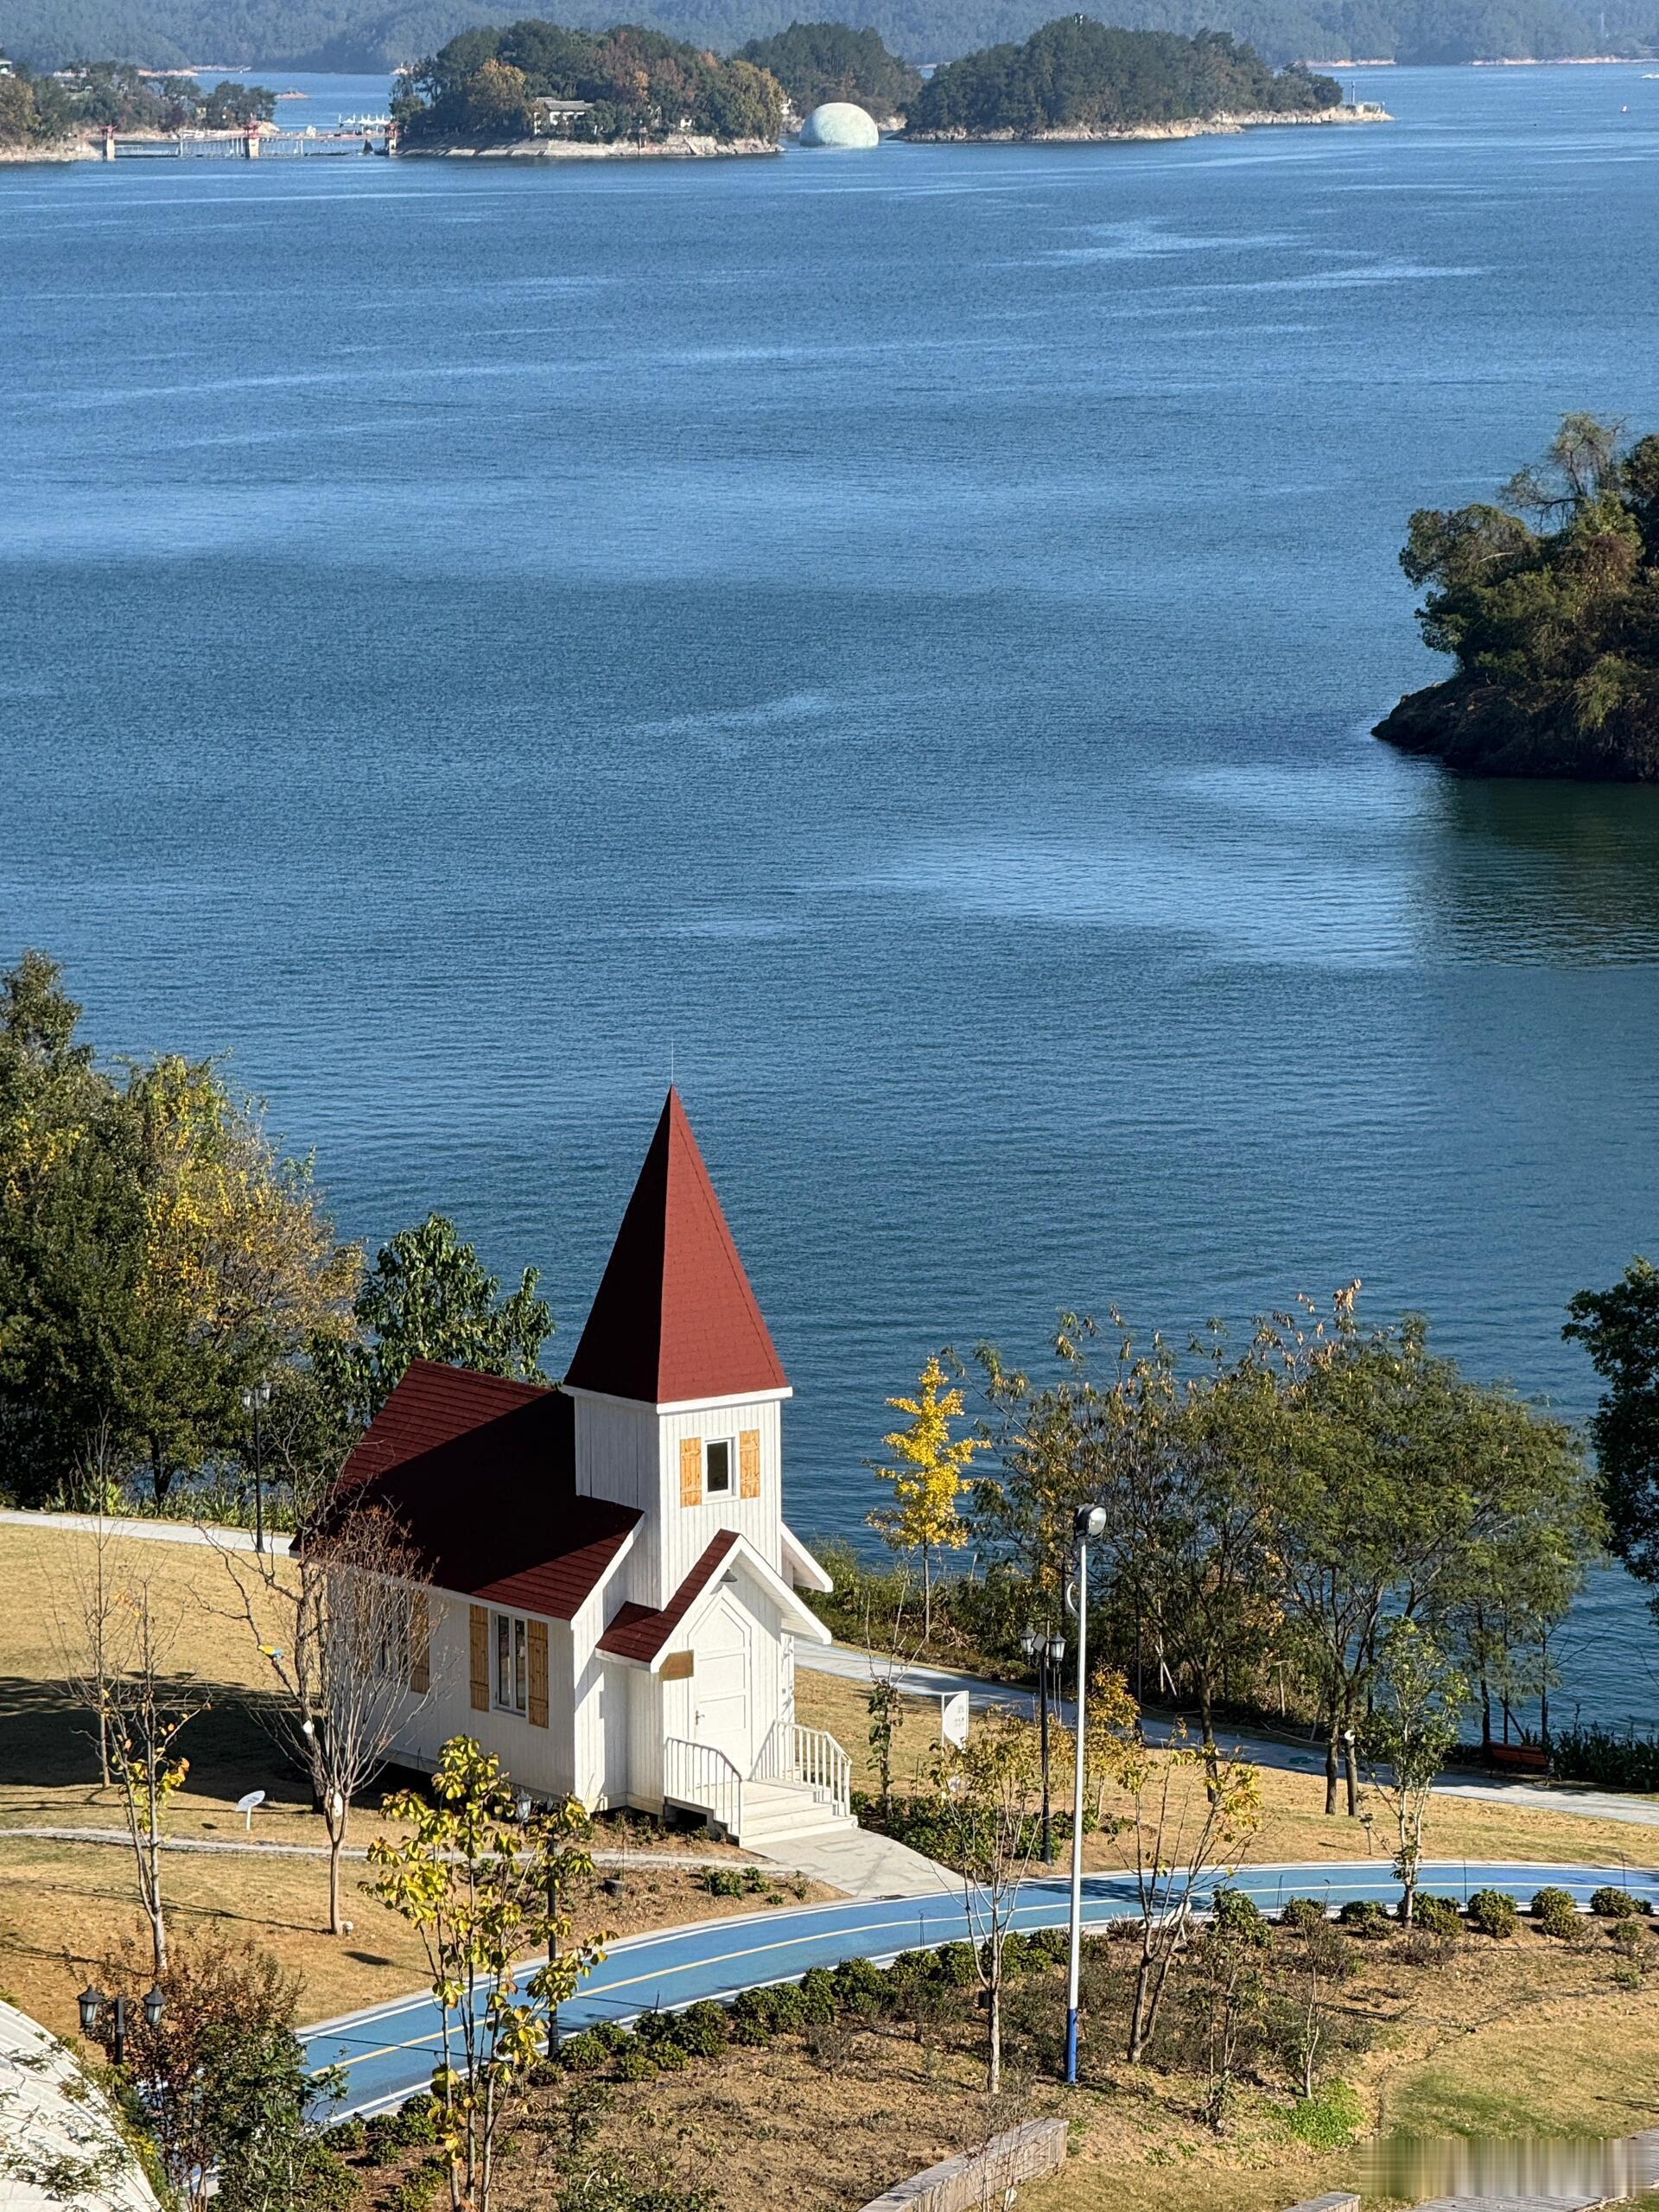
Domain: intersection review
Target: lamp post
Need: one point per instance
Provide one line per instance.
(1089, 1521)
(93, 2001)
(254, 1399)
(1047, 1650)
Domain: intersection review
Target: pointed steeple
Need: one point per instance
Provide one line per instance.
(674, 1318)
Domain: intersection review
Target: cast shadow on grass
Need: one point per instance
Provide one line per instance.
(48, 1747)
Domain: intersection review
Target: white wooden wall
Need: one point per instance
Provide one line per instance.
(540, 1759)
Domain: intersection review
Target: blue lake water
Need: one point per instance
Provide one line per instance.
(893, 637)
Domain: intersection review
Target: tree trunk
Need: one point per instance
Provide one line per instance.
(336, 1839)
(161, 1475)
(1138, 2011)
(927, 1595)
(1331, 1768)
(994, 2069)
(1351, 1765)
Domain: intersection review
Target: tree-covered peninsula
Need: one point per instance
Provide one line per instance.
(486, 88)
(814, 62)
(1549, 602)
(1079, 76)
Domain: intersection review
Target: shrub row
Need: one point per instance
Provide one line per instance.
(1493, 1912)
(665, 2042)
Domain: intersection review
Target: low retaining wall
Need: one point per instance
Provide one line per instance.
(979, 2178)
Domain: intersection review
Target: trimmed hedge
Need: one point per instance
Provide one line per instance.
(1493, 1912)
(1609, 1904)
(1554, 1912)
(1303, 1913)
(1364, 1917)
(1436, 1917)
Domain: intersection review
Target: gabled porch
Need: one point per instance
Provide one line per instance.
(800, 1785)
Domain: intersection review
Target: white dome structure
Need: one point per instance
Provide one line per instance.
(839, 124)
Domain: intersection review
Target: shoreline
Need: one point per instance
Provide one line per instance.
(687, 147)
(1213, 126)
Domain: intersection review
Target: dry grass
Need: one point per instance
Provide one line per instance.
(63, 1905)
(1525, 2036)
(1295, 1828)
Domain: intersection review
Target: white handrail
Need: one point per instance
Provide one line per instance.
(701, 1777)
(812, 1756)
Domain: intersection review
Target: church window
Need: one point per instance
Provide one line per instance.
(717, 1468)
(511, 1662)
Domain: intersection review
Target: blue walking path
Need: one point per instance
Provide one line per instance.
(388, 2051)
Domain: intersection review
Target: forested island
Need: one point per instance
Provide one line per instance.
(1079, 78)
(610, 88)
(814, 62)
(1549, 601)
(40, 114)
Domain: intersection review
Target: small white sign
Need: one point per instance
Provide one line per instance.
(248, 1805)
(953, 1719)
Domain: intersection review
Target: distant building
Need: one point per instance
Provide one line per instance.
(551, 118)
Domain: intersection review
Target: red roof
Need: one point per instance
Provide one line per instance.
(480, 1473)
(674, 1317)
(640, 1631)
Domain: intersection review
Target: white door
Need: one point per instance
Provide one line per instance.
(722, 1686)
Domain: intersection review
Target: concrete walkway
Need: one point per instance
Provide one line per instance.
(853, 1664)
(863, 1865)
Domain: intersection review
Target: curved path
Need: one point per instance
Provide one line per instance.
(388, 2051)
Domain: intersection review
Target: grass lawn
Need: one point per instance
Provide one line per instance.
(64, 1905)
(1295, 1828)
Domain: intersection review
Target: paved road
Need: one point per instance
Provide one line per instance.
(388, 2051)
(853, 1665)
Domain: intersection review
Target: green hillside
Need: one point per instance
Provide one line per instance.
(368, 34)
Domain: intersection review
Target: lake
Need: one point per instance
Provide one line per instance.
(891, 639)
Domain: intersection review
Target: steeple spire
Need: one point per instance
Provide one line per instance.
(674, 1318)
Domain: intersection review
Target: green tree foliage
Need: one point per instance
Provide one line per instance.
(1619, 1329)
(1270, 1513)
(1076, 73)
(479, 88)
(116, 95)
(430, 1296)
(158, 1252)
(1550, 604)
(223, 2078)
(816, 62)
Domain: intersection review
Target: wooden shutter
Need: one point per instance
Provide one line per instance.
(480, 1658)
(538, 1708)
(748, 1463)
(420, 1643)
(690, 1471)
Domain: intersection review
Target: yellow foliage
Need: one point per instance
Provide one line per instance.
(934, 1472)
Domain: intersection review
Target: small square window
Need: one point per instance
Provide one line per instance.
(717, 1469)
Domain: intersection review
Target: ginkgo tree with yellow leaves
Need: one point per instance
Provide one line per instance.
(483, 1886)
(931, 1479)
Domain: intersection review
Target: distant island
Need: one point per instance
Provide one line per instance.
(540, 87)
(49, 116)
(1549, 601)
(1079, 78)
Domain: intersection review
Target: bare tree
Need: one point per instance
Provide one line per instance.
(355, 1651)
(92, 1627)
(147, 1709)
(985, 1792)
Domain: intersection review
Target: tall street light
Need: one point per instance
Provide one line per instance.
(1090, 1522)
(254, 1400)
(1047, 1652)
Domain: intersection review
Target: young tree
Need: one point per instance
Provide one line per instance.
(1226, 1996)
(90, 1627)
(149, 1710)
(984, 1793)
(430, 1296)
(1323, 1957)
(352, 1650)
(1413, 1725)
(482, 1888)
(222, 2077)
(926, 1515)
(1193, 1815)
